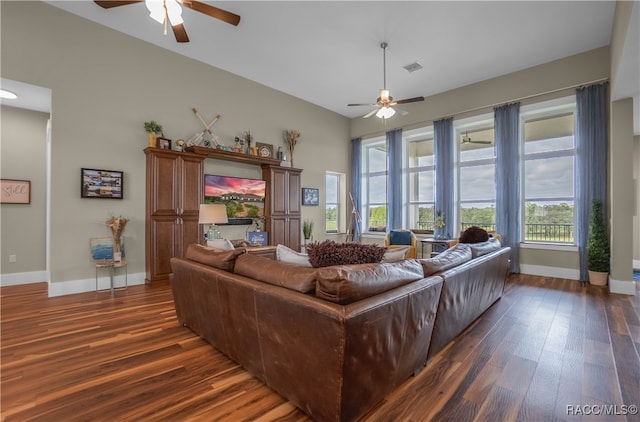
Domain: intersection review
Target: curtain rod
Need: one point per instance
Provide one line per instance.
(553, 91)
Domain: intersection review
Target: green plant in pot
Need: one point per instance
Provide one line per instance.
(152, 128)
(307, 229)
(597, 246)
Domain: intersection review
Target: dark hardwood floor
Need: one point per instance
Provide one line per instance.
(549, 350)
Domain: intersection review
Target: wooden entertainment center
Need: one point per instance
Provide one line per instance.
(175, 190)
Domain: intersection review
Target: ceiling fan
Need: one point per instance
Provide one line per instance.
(466, 139)
(385, 105)
(170, 12)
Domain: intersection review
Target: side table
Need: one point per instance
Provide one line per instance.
(111, 266)
(434, 242)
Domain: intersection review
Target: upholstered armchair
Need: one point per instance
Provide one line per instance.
(402, 239)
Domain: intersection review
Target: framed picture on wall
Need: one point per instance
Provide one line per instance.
(15, 191)
(310, 196)
(106, 184)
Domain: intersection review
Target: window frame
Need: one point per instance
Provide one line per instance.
(484, 121)
(377, 142)
(418, 135)
(539, 111)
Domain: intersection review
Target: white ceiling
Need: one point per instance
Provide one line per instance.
(328, 52)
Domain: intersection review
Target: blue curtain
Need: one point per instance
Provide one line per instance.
(394, 179)
(508, 196)
(356, 186)
(591, 161)
(443, 155)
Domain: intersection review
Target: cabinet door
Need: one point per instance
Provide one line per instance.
(294, 232)
(278, 231)
(164, 238)
(293, 192)
(162, 179)
(191, 185)
(279, 199)
(190, 232)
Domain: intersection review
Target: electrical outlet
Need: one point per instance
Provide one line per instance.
(12, 258)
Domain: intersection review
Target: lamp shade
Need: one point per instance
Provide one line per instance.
(212, 214)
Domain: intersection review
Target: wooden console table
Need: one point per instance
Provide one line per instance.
(266, 251)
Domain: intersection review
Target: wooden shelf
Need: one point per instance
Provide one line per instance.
(219, 154)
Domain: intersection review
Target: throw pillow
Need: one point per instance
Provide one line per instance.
(400, 237)
(330, 253)
(474, 234)
(220, 244)
(395, 254)
(290, 256)
(218, 258)
(450, 258)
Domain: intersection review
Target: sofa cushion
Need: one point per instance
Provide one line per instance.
(399, 237)
(483, 248)
(220, 244)
(395, 254)
(450, 258)
(214, 257)
(290, 256)
(293, 277)
(349, 283)
(330, 253)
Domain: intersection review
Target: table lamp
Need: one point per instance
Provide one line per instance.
(213, 214)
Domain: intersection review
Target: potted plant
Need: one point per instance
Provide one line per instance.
(307, 230)
(597, 247)
(153, 128)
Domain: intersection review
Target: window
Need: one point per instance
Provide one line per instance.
(374, 185)
(421, 179)
(548, 171)
(334, 214)
(477, 174)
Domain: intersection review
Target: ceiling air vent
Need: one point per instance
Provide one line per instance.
(413, 67)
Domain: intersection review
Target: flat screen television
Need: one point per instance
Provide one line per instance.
(244, 198)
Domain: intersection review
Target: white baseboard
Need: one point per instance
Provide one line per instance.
(558, 272)
(16, 279)
(622, 287)
(70, 287)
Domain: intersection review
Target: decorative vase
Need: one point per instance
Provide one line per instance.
(153, 139)
(597, 278)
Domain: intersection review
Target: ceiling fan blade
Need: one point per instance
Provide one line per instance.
(400, 111)
(214, 12)
(410, 100)
(109, 4)
(180, 33)
(372, 105)
(371, 113)
(481, 142)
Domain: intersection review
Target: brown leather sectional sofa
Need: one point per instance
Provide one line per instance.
(336, 340)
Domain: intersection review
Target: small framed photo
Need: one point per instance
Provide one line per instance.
(264, 150)
(310, 196)
(96, 183)
(163, 143)
(258, 238)
(15, 191)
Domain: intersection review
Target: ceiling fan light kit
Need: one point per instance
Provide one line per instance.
(170, 12)
(384, 103)
(160, 10)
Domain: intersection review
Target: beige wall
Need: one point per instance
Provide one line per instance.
(104, 86)
(22, 227)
